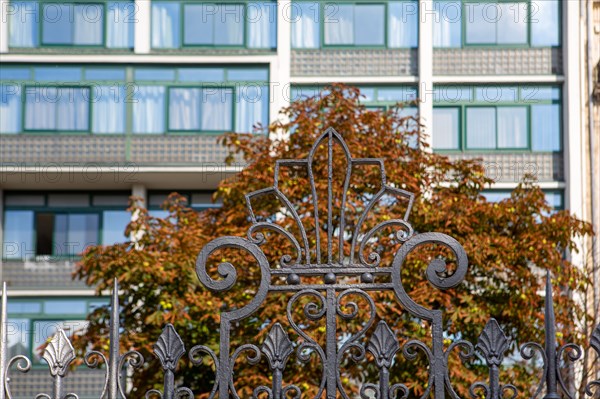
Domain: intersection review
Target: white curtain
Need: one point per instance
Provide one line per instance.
(512, 127)
(72, 109)
(261, 23)
(447, 23)
(108, 104)
(512, 23)
(339, 28)
(23, 24)
(121, 17)
(184, 109)
(40, 108)
(305, 25)
(445, 128)
(10, 108)
(217, 108)
(165, 25)
(88, 24)
(402, 31)
(251, 108)
(481, 127)
(198, 22)
(545, 30)
(545, 127)
(113, 226)
(229, 24)
(148, 109)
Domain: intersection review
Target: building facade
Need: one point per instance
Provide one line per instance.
(103, 99)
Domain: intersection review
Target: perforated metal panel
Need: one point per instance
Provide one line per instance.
(88, 383)
(501, 61)
(354, 62)
(46, 275)
(512, 167)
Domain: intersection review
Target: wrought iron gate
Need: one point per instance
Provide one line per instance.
(326, 279)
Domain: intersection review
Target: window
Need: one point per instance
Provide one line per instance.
(107, 24)
(251, 25)
(534, 23)
(61, 224)
(31, 322)
(139, 100)
(554, 198)
(491, 118)
(57, 108)
(390, 24)
(198, 200)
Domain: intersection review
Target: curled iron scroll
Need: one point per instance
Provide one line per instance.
(432, 272)
(229, 273)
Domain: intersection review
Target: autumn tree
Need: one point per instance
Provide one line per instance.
(510, 244)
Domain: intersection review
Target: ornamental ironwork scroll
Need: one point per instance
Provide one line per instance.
(323, 279)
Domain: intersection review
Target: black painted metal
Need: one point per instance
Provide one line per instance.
(330, 301)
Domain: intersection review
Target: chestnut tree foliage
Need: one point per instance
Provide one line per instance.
(510, 244)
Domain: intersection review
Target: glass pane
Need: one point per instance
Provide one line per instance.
(494, 94)
(17, 333)
(73, 109)
(88, 27)
(18, 235)
(121, 23)
(23, 307)
(481, 22)
(369, 25)
(247, 75)
(23, 23)
(64, 307)
(262, 24)
(512, 127)
(201, 74)
(447, 24)
(339, 24)
(113, 226)
(111, 200)
(217, 108)
(165, 25)
(198, 23)
(82, 232)
(396, 94)
(555, 199)
(14, 73)
(10, 108)
(452, 94)
(155, 74)
(68, 200)
(109, 109)
(57, 74)
(229, 24)
(57, 23)
(367, 94)
(184, 109)
(512, 23)
(545, 23)
(149, 109)
(40, 108)
(24, 200)
(545, 127)
(403, 24)
(496, 196)
(43, 330)
(534, 94)
(305, 25)
(481, 127)
(104, 73)
(445, 128)
(251, 108)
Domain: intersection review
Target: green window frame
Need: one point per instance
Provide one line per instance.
(528, 97)
(528, 13)
(123, 85)
(24, 316)
(39, 17)
(245, 29)
(327, 12)
(43, 206)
